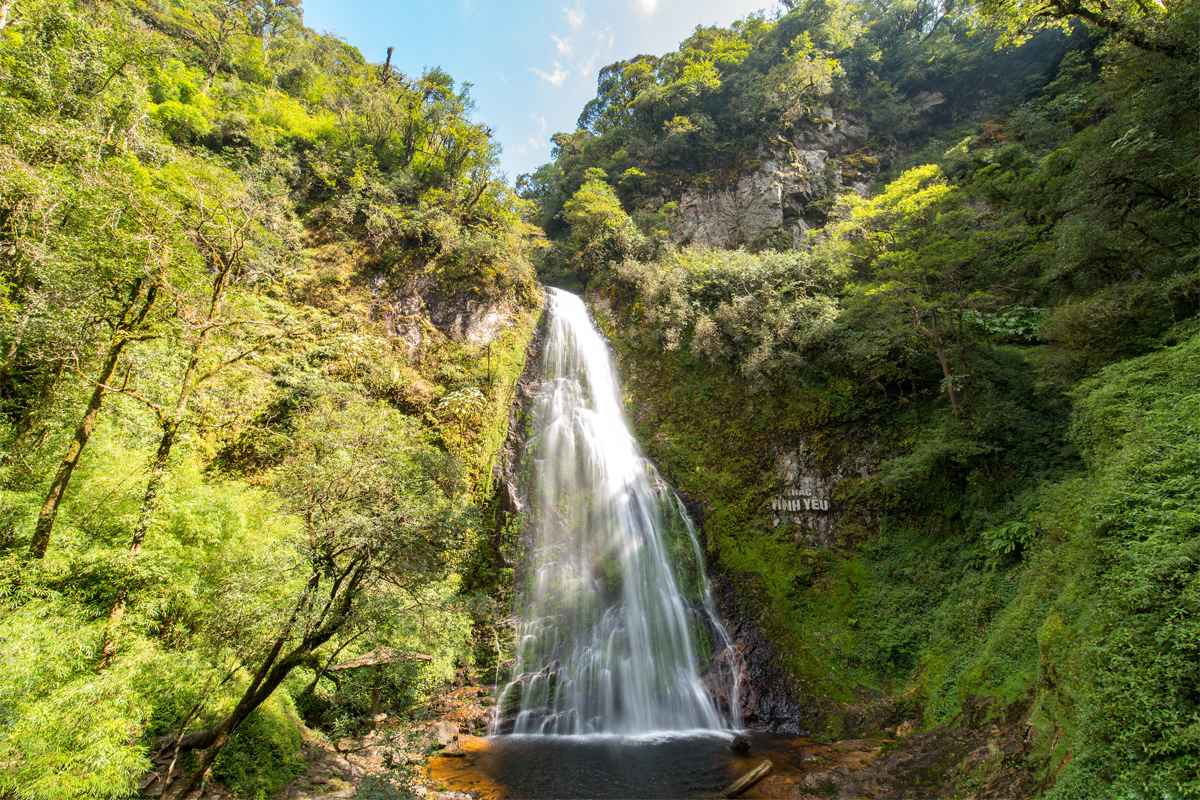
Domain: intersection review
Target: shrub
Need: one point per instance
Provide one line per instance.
(67, 731)
(185, 124)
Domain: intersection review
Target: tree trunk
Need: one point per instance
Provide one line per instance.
(149, 502)
(214, 740)
(1126, 31)
(58, 487)
(948, 378)
(274, 670)
(14, 345)
(170, 430)
(270, 675)
(743, 784)
(386, 72)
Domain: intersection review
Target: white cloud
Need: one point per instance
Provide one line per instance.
(574, 17)
(555, 77)
(646, 7)
(603, 41)
(561, 44)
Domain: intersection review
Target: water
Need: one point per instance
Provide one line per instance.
(660, 766)
(618, 634)
(561, 767)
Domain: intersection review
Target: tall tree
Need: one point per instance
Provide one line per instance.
(268, 17)
(372, 492)
(129, 326)
(112, 248)
(227, 228)
(913, 254)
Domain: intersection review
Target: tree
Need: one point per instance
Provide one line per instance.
(226, 225)
(912, 253)
(115, 256)
(128, 326)
(1140, 23)
(374, 496)
(268, 17)
(216, 23)
(601, 231)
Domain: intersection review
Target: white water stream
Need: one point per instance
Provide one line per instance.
(617, 626)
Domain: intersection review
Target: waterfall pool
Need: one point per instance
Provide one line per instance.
(677, 765)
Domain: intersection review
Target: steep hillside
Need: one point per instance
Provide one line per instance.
(937, 410)
(263, 306)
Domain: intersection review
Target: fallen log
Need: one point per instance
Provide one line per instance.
(743, 783)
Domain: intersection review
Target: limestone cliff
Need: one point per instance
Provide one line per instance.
(784, 192)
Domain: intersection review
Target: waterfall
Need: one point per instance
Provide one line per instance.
(617, 622)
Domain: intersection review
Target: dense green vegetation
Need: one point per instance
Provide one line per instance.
(248, 430)
(233, 454)
(1003, 327)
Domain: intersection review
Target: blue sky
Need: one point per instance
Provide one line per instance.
(533, 63)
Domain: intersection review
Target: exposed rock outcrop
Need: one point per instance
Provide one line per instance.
(808, 490)
(408, 313)
(786, 194)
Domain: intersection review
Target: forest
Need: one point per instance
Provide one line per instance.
(268, 311)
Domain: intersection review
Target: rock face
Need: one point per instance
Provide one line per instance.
(506, 475)
(407, 312)
(770, 699)
(805, 499)
(786, 195)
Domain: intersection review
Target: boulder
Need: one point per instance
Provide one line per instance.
(444, 732)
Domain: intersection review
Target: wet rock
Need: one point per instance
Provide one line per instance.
(506, 473)
(527, 688)
(445, 732)
(454, 750)
(740, 745)
(770, 700)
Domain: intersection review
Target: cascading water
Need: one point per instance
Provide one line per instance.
(616, 608)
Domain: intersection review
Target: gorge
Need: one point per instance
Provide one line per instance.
(825, 393)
